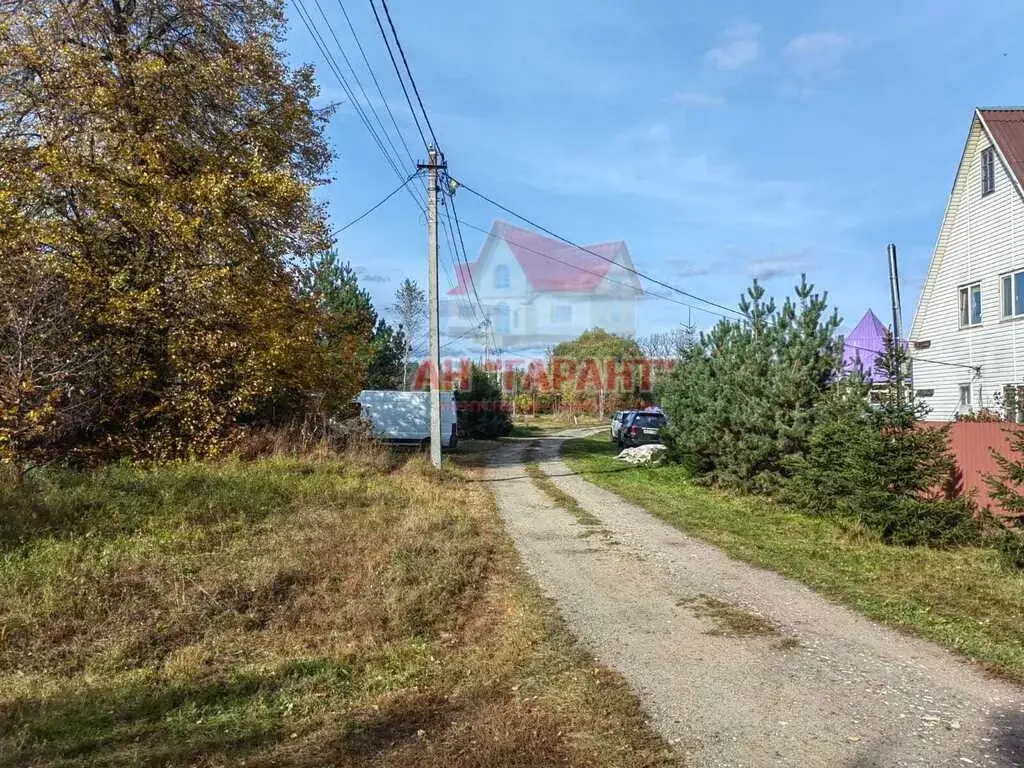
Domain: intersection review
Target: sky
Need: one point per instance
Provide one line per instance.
(722, 141)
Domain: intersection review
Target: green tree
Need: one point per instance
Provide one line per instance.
(386, 369)
(481, 410)
(345, 328)
(742, 400)
(411, 308)
(597, 348)
(162, 157)
(880, 465)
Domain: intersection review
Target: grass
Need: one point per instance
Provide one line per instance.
(729, 620)
(591, 524)
(288, 613)
(547, 423)
(963, 599)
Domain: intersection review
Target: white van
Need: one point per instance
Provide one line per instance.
(404, 417)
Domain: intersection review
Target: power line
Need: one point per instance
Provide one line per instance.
(359, 83)
(408, 71)
(975, 368)
(598, 275)
(401, 81)
(465, 256)
(332, 64)
(636, 272)
(321, 43)
(376, 82)
(377, 205)
(453, 256)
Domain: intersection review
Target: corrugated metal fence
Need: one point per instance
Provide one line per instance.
(972, 444)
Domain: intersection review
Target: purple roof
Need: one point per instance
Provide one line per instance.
(864, 344)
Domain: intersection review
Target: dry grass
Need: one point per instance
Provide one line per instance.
(729, 620)
(287, 612)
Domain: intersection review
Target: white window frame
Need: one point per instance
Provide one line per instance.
(988, 171)
(965, 307)
(502, 277)
(965, 395)
(1016, 308)
(567, 320)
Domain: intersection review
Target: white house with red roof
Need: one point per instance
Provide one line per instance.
(967, 339)
(538, 291)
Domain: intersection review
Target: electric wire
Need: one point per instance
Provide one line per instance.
(398, 71)
(567, 241)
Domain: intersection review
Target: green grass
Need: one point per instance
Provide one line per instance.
(548, 423)
(288, 613)
(591, 524)
(729, 620)
(964, 599)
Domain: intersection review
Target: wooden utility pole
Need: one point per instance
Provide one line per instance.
(432, 167)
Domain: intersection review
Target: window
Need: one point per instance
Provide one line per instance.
(970, 305)
(1012, 290)
(501, 316)
(988, 171)
(1013, 396)
(965, 395)
(465, 311)
(501, 279)
(561, 313)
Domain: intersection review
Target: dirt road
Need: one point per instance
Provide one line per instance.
(738, 666)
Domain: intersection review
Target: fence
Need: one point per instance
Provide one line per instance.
(972, 443)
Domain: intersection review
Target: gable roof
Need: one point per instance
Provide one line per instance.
(550, 264)
(1006, 127)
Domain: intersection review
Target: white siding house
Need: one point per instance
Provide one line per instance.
(536, 291)
(967, 338)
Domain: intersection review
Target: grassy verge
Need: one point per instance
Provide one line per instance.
(547, 423)
(963, 599)
(287, 612)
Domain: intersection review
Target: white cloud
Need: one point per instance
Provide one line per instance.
(695, 99)
(687, 268)
(816, 52)
(739, 46)
(787, 265)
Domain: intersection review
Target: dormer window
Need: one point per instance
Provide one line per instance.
(988, 171)
(501, 277)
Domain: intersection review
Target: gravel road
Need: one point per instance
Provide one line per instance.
(827, 687)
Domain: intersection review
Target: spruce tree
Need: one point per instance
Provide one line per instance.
(901, 471)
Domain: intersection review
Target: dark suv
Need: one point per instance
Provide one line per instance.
(642, 427)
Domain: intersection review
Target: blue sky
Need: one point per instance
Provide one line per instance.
(722, 142)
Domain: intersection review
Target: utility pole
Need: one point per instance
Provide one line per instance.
(433, 312)
(897, 317)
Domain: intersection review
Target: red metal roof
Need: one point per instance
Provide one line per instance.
(1007, 129)
(551, 265)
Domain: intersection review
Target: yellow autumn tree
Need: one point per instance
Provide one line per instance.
(159, 158)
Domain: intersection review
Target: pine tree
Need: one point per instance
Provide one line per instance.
(481, 409)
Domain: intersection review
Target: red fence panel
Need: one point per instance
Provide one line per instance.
(972, 443)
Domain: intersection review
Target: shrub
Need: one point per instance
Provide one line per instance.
(741, 403)
(881, 466)
(480, 409)
(1010, 545)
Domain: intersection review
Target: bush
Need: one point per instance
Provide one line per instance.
(481, 412)
(881, 466)
(1010, 545)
